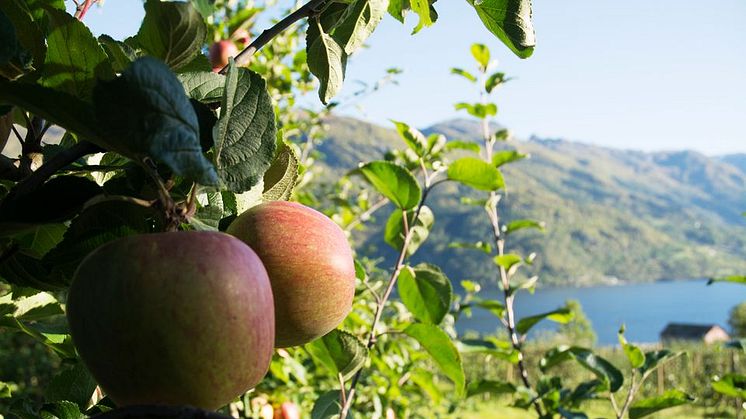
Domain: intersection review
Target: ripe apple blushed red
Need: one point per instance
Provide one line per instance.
(181, 318)
(309, 263)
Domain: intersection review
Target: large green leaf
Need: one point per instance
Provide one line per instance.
(394, 182)
(442, 350)
(340, 352)
(75, 60)
(26, 42)
(327, 60)
(282, 175)
(172, 31)
(561, 315)
(245, 136)
(418, 229)
(426, 292)
(510, 21)
(358, 22)
(670, 398)
(148, 114)
(476, 173)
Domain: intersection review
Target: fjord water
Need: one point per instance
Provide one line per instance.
(644, 308)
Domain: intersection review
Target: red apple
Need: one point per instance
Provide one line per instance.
(309, 263)
(182, 318)
(287, 410)
(220, 52)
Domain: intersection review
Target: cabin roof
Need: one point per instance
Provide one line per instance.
(687, 330)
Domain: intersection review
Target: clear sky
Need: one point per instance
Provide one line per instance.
(650, 75)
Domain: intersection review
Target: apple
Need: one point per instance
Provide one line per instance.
(180, 318)
(287, 410)
(241, 36)
(310, 267)
(220, 52)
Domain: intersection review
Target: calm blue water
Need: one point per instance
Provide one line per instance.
(644, 308)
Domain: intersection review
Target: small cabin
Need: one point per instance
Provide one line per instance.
(707, 333)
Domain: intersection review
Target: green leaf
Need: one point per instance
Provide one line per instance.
(562, 316)
(481, 53)
(394, 182)
(653, 359)
(426, 292)
(670, 398)
(516, 225)
(75, 60)
(506, 156)
(327, 406)
(396, 9)
(204, 86)
(478, 110)
(282, 175)
(510, 21)
(340, 352)
(494, 81)
(731, 384)
(358, 22)
(26, 42)
(462, 145)
(442, 351)
(634, 354)
(476, 173)
(490, 346)
(484, 247)
(426, 13)
(426, 381)
(5, 391)
(497, 308)
(10, 49)
(205, 7)
(465, 74)
(148, 114)
(327, 60)
(245, 136)
(737, 279)
(482, 386)
(600, 367)
(508, 262)
(412, 137)
(172, 31)
(419, 229)
(74, 384)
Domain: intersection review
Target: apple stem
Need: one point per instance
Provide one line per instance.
(303, 12)
(174, 216)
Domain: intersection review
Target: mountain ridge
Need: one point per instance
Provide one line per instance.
(610, 213)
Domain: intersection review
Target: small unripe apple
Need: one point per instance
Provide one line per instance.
(181, 318)
(310, 267)
(220, 52)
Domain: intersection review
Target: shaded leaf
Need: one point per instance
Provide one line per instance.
(327, 60)
(74, 384)
(358, 22)
(282, 175)
(418, 229)
(172, 31)
(327, 406)
(599, 366)
(482, 386)
(204, 86)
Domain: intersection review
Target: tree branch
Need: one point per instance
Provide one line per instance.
(304, 11)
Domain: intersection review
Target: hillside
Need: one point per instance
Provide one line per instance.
(610, 214)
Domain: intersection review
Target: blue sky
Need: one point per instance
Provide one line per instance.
(641, 74)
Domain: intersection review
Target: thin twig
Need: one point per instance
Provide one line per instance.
(304, 11)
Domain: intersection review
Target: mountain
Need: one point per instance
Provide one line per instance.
(610, 214)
